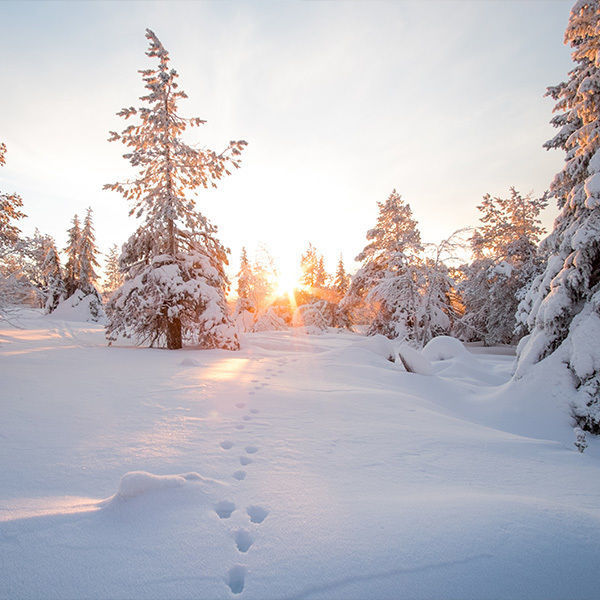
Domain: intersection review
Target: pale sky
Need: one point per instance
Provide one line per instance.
(340, 102)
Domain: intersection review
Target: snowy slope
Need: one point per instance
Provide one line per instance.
(299, 467)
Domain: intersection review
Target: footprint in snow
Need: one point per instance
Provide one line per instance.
(239, 475)
(254, 411)
(241, 404)
(247, 417)
(224, 509)
(235, 579)
(239, 426)
(251, 449)
(226, 445)
(245, 460)
(257, 514)
(243, 540)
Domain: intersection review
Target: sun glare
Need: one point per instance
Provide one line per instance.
(286, 284)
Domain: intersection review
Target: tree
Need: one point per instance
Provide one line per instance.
(341, 282)
(505, 261)
(113, 278)
(14, 287)
(10, 212)
(55, 289)
(87, 256)
(563, 303)
(72, 250)
(390, 275)
(314, 276)
(174, 265)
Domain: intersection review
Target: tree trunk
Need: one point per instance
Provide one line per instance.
(174, 334)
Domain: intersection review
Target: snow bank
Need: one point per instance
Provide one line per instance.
(414, 361)
(444, 347)
(80, 307)
(136, 483)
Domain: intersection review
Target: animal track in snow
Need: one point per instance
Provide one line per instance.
(243, 540)
(241, 404)
(257, 514)
(226, 444)
(251, 392)
(239, 475)
(224, 509)
(245, 460)
(254, 411)
(251, 449)
(235, 579)
(247, 417)
(239, 426)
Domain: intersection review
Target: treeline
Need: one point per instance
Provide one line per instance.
(409, 289)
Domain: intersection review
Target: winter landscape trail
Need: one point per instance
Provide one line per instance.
(300, 467)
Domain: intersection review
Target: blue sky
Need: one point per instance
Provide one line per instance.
(340, 102)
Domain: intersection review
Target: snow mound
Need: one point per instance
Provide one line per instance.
(377, 344)
(444, 347)
(80, 307)
(136, 483)
(189, 362)
(414, 361)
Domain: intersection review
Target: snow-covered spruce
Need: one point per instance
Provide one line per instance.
(505, 261)
(113, 278)
(562, 307)
(174, 265)
(408, 292)
(55, 290)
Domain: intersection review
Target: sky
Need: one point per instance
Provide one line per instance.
(340, 102)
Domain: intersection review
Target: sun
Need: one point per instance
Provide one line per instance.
(286, 284)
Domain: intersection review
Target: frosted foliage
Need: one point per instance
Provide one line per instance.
(564, 307)
(269, 321)
(174, 265)
(172, 288)
(505, 262)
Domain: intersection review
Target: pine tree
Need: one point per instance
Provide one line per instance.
(314, 276)
(87, 257)
(564, 301)
(113, 278)
(390, 276)
(72, 249)
(10, 212)
(174, 264)
(55, 289)
(341, 281)
(505, 260)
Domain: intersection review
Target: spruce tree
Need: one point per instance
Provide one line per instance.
(341, 281)
(174, 264)
(113, 278)
(10, 205)
(390, 277)
(564, 301)
(72, 249)
(55, 289)
(505, 260)
(87, 256)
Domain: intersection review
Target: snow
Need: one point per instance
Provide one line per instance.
(299, 467)
(414, 361)
(443, 347)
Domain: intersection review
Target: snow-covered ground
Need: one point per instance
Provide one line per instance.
(299, 467)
